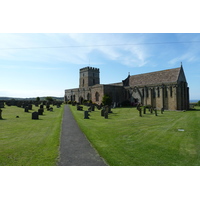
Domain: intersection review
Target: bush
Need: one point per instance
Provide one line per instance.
(198, 103)
(107, 100)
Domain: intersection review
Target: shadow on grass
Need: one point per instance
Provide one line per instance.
(194, 110)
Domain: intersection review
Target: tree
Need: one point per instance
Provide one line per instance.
(38, 99)
(107, 100)
(198, 103)
(49, 98)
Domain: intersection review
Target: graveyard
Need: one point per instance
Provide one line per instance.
(124, 138)
(25, 141)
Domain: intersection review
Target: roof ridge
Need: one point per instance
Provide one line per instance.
(157, 71)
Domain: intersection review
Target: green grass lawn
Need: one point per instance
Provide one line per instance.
(27, 142)
(125, 139)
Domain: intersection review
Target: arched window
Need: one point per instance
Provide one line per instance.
(158, 91)
(97, 96)
(88, 96)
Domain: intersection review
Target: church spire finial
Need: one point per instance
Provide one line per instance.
(181, 64)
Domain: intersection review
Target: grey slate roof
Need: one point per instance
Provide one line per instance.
(155, 78)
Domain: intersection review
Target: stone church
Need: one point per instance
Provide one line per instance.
(166, 89)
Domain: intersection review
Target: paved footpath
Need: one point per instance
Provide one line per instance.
(75, 149)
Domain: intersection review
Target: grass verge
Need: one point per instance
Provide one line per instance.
(27, 142)
(125, 139)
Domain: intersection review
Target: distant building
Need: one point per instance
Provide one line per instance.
(166, 89)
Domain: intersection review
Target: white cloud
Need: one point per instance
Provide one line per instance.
(187, 57)
(130, 55)
(136, 55)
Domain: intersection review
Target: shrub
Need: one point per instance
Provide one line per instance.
(107, 100)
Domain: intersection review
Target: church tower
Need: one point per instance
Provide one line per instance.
(89, 76)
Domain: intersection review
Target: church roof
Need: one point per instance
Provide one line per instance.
(158, 77)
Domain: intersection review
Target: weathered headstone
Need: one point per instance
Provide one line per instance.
(26, 109)
(42, 106)
(140, 111)
(47, 106)
(30, 106)
(162, 110)
(102, 112)
(51, 109)
(1, 104)
(144, 111)
(79, 107)
(106, 115)
(109, 109)
(35, 115)
(40, 111)
(19, 104)
(1, 114)
(155, 110)
(86, 115)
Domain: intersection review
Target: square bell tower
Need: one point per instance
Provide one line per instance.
(89, 76)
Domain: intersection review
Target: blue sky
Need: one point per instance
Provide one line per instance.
(36, 64)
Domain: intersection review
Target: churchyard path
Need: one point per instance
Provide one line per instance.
(75, 149)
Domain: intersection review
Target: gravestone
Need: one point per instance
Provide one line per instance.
(106, 115)
(155, 110)
(30, 106)
(93, 108)
(35, 115)
(86, 115)
(140, 111)
(26, 109)
(102, 112)
(19, 104)
(79, 107)
(162, 110)
(48, 106)
(144, 111)
(51, 109)
(109, 109)
(40, 111)
(1, 104)
(1, 114)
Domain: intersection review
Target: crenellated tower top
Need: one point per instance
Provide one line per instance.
(89, 76)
